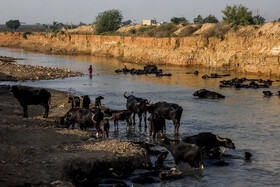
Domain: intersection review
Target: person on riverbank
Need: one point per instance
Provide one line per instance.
(90, 70)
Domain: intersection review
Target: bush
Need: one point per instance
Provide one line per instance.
(61, 32)
(235, 27)
(132, 31)
(161, 31)
(24, 35)
(55, 32)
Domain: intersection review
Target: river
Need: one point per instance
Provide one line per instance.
(250, 120)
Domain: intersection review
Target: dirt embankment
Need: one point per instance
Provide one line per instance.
(250, 49)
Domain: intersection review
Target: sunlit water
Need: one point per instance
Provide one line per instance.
(250, 120)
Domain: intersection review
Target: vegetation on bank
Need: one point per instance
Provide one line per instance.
(111, 22)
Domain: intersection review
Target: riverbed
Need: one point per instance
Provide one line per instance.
(250, 120)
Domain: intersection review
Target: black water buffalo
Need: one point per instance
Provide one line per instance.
(209, 141)
(156, 124)
(136, 105)
(86, 101)
(203, 93)
(183, 152)
(104, 128)
(98, 102)
(240, 83)
(75, 101)
(86, 118)
(117, 115)
(28, 96)
(267, 93)
(169, 111)
(150, 69)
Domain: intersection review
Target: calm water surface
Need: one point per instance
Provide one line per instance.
(250, 120)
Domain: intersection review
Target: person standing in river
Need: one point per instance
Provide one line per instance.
(90, 70)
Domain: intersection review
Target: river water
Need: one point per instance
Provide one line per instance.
(250, 120)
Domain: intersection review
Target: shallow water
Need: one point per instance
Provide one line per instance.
(250, 120)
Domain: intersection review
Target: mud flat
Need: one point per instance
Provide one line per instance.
(11, 71)
(37, 151)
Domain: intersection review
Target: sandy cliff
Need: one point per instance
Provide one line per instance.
(250, 49)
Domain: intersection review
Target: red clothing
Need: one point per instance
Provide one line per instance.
(90, 70)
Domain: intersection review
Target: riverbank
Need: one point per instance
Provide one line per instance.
(38, 152)
(11, 71)
(250, 49)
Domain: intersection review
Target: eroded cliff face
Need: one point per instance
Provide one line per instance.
(250, 49)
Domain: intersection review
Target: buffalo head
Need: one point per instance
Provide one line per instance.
(226, 142)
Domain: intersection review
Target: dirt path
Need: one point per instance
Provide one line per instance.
(36, 151)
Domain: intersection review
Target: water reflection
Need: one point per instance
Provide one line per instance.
(245, 116)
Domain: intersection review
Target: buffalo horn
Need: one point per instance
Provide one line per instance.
(221, 140)
(124, 95)
(223, 152)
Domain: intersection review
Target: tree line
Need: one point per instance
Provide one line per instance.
(111, 20)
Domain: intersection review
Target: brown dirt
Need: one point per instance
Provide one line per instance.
(36, 151)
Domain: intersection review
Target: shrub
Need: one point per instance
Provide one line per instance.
(132, 31)
(24, 35)
(235, 27)
(55, 32)
(61, 32)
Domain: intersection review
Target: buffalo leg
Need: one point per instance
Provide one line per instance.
(133, 118)
(140, 119)
(116, 124)
(25, 115)
(47, 108)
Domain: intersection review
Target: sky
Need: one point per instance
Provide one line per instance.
(76, 11)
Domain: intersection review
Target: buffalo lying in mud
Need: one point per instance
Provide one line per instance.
(148, 69)
(27, 96)
(240, 83)
(203, 93)
(214, 75)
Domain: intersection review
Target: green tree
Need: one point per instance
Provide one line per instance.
(108, 21)
(198, 20)
(13, 24)
(210, 19)
(238, 15)
(258, 19)
(56, 26)
(178, 20)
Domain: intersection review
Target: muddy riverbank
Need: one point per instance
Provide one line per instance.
(11, 71)
(37, 151)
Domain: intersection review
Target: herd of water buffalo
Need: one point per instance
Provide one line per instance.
(190, 149)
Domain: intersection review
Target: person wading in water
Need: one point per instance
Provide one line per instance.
(90, 70)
